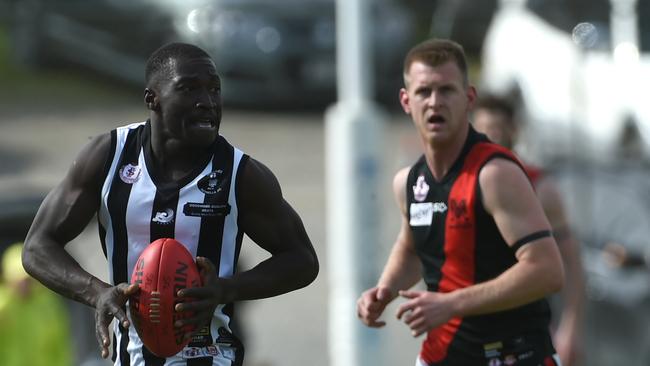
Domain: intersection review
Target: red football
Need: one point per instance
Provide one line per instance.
(163, 268)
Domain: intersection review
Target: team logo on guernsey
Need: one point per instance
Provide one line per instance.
(130, 173)
(439, 207)
(459, 208)
(460, 215)
(164, 217)
(209, 184)
(420, 189)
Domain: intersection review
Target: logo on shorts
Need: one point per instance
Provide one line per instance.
(164, 217)
(494, 362)
(420, 189)
(130, 173)
(199, 352)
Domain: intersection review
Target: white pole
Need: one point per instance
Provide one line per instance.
(354, 136)
(625, 41)
(623, 22)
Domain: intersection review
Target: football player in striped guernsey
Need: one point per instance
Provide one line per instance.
(172, 176)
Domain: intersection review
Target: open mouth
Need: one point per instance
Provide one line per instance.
(204, 123)
(436, 119)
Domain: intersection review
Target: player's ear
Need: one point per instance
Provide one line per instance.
(150, 99)
(404, 100)
(472, 95)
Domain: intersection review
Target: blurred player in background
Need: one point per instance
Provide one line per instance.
(34, 322)
(471, 226)
(496, 117)
(173, 176)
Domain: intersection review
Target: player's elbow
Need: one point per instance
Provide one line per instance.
(305, 269)
(311, 268)
(29, 258)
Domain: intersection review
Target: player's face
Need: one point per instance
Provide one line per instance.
(438, 101)
(190, 102)
(495, 126)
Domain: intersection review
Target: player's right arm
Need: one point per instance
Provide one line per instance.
(403, 268)
(568, 335)
(63, 215)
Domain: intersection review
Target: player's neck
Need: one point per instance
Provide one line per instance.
(441, 157)
(174, 159)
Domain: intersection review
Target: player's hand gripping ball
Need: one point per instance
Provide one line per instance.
(163, 268)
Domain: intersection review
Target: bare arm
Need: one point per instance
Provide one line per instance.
(573, 291)
(403, 268)
(568, 333)
(270, 221)
(509, 198)
(64, 214)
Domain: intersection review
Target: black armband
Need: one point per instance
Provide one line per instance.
(530, 237)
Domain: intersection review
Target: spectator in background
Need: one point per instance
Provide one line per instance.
(34, 323)
(495, 117)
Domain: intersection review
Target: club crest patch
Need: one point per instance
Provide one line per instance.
(130, 173)
(210, 184)
(420, 189)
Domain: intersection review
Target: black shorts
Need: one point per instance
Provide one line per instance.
(522, 350)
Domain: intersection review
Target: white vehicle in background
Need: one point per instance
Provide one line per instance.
(584, 94)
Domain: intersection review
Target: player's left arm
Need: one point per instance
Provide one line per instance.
(273, 224)
(510, 199)
(270, 221)
(568, 333)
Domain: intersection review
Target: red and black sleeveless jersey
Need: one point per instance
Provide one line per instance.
(460, 245)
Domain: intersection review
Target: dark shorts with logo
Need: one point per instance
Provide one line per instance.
(522, 350)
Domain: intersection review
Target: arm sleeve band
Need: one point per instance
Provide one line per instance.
(529, 238)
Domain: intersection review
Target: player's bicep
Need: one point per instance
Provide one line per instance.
(509, 197)
(266, 217)
(405, 234)
(399, 189)
(68, 208)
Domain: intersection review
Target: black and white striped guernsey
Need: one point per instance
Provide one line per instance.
(200, 211)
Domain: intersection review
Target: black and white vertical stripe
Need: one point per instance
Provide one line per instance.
(135, 212)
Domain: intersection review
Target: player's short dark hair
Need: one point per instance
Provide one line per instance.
(436, 52)
(158, 63)
(497, 104)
